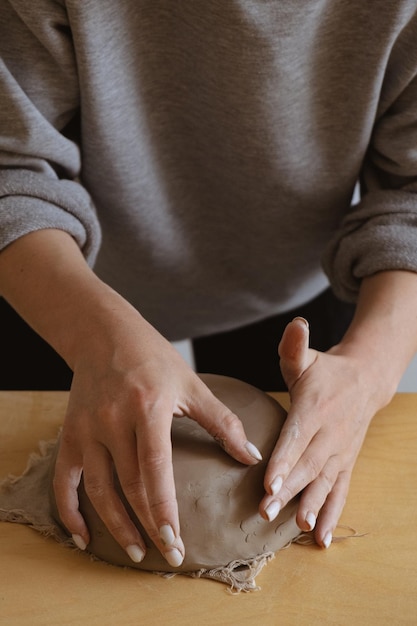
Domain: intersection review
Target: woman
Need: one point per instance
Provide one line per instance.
(201, 158)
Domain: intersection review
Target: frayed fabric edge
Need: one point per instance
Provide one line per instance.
(239, 576)
(14, 490)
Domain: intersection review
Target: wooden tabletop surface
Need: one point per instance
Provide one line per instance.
(361, 581)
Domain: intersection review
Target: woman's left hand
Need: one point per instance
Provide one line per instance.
(333, 399)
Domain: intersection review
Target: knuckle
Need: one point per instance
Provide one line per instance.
(67, 439)
(96, 490)
(110, 420)
(116, 528)
(133, 488)
(68, 452)
(314, 466)
(159, 503)
(154, 460)
(225, 428)
(291, 430)
(286, 494)
(327, 479)
(148, 400)
(229, 420)
(161, 506)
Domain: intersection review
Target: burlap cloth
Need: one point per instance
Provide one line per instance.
(25, 500)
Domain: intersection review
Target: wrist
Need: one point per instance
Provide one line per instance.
(382, 338)
(376, 373)
(44, 276)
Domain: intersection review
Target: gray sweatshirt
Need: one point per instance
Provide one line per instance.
(203, 153)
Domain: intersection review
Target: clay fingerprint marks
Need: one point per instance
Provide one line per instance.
(218, 497)
(261, 415)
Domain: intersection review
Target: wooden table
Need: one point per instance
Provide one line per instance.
(361, 581)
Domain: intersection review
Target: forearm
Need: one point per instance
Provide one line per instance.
(383, 333)
(334, 396)
(128, 384)
(44, 276)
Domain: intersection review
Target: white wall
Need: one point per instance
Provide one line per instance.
(409, 380)
(185, 348)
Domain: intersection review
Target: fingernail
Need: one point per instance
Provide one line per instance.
(135, 553)
(301, 319)
(310, 520)
(79, 542)
(327, 539)
(174, 557)
(253, 451)
(166, 535)
(276, 485)
(272, 511)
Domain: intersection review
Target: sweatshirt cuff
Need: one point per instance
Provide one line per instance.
(30, 202)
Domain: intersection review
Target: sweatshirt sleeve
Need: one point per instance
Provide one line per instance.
(39, 98)
(380, 231)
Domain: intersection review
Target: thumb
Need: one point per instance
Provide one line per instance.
(295, 355)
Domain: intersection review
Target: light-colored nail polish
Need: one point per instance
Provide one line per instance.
(327, 539)
(135, 553)
(166, 535)
(272, 511)
(276, 485)
(253, 451)
(311, 520)
(79, 542)
(174, 557)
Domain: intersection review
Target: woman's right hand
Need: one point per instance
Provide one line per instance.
(128, 384)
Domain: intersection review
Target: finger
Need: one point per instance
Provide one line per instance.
(316, 494)
(100, 488)
(134, 490)
(293, 350)
(223, 425)
(295, 438)
(307, 469)
(67, 477)
(154, 451)
(330, 513)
